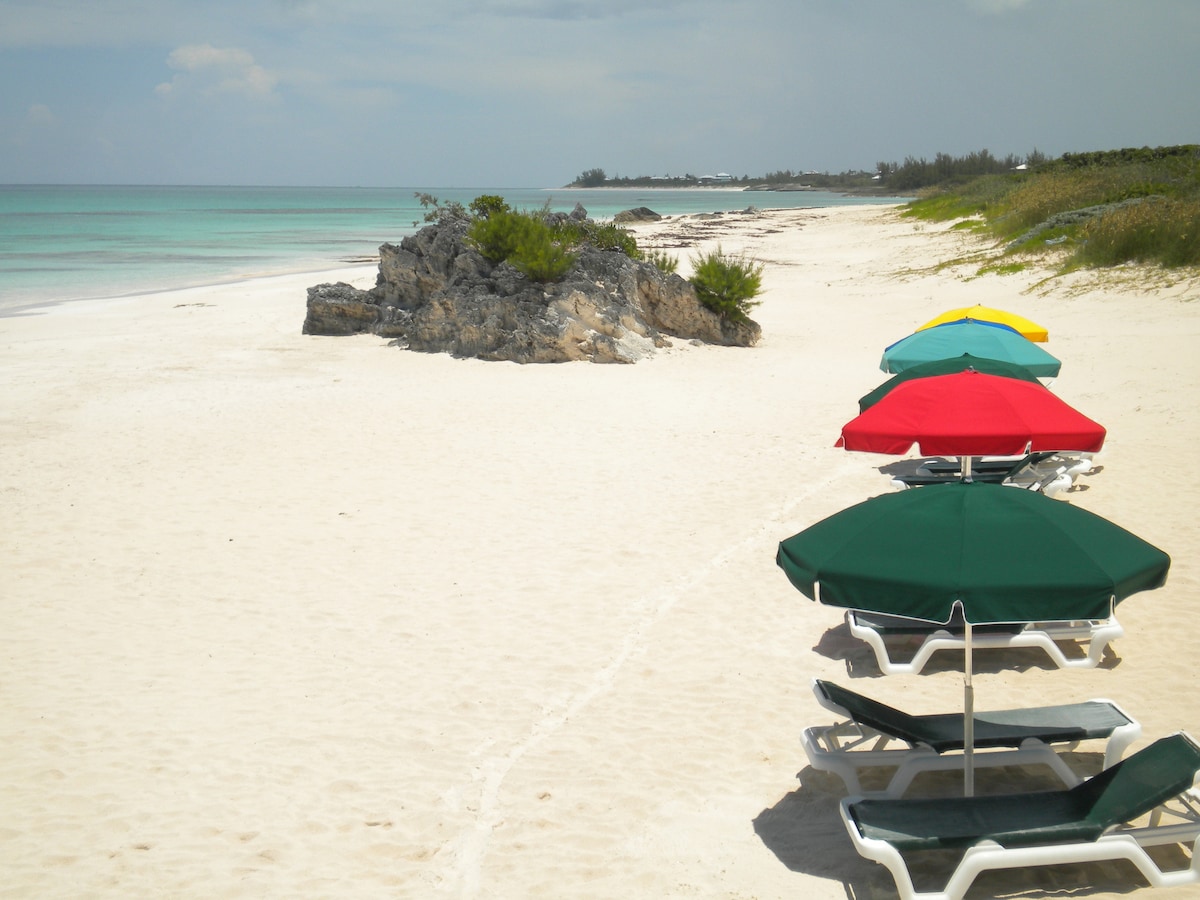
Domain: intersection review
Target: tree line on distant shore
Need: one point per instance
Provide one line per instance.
(782, 180)
(1099, 208)
(888, 177)
(909, 177)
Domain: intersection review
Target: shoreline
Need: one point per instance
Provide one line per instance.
(298, 616)
(45, 307)
(86, 242)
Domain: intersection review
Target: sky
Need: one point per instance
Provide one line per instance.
(531, 93)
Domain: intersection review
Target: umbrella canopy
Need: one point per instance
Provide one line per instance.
(1004, 555)
(1030, 330)
(971, 413)
(999, 555)
(947, 367)
(958, 338)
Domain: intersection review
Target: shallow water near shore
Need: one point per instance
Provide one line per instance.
(78, 242)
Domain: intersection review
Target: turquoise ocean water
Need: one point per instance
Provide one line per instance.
(71, 242)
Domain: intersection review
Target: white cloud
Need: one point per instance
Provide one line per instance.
(217, 69)
(40, 115)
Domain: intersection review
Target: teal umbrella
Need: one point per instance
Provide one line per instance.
(998, 554)
(948, 366)
(955, 339)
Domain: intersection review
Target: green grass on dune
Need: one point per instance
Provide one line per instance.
(1103, 209)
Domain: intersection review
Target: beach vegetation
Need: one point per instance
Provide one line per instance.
(601, 235)
(522, 239)
(541, 257)
(486, 204)
(436, 211)
(592, 178)
(1135, 205)
(497, 236)
(541, 244)
(1008, 268)
(727, 284)
(662, 261)
(915, 174)
(1165, 231)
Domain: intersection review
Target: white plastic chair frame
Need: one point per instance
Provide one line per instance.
(1181, 815)
(1042, 635)
(846, 748)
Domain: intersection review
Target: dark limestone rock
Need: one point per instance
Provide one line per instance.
(339, 309)
(435, 293)
(637, 214)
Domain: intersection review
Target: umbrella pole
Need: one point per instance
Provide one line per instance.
(968, 718)
(964, 464)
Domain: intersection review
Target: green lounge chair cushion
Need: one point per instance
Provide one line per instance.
(1121, 793)
(1000, 728)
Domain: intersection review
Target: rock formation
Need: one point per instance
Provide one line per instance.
(435, 293)
(637, 214)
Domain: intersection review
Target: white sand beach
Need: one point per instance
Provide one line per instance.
(295, 616)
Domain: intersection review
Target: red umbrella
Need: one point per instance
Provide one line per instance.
(968, 414)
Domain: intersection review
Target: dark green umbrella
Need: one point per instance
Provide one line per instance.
(1000, 554)
(948, 367)
(1003, 554)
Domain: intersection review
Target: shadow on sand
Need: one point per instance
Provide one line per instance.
(805, 832)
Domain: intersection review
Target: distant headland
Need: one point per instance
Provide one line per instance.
(784, 180)
(886, 179)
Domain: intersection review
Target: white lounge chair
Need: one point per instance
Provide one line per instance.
(1032, 473)
(877, 630)
(1146, 800)
(875, 735)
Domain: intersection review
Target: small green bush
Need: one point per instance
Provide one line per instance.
(524, 240)
(727, 284)
(436, 212)
(486, 205)
(601, 235)
(499, 235)
(662, 260)
(539, 257)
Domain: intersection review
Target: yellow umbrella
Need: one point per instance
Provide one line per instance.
(1027, 329)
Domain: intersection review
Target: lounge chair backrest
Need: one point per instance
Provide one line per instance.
(1137, 784)
(874, 714)
(1030, 460)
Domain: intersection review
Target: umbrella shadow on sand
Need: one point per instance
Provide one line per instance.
(839, 644)
(805, 832)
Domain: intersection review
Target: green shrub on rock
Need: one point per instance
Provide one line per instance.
(662, 260)
(601, 235)
(498, 236)
(524, 240)
(539, 257)
(727, 284)
(487, 205)
(435, 211)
